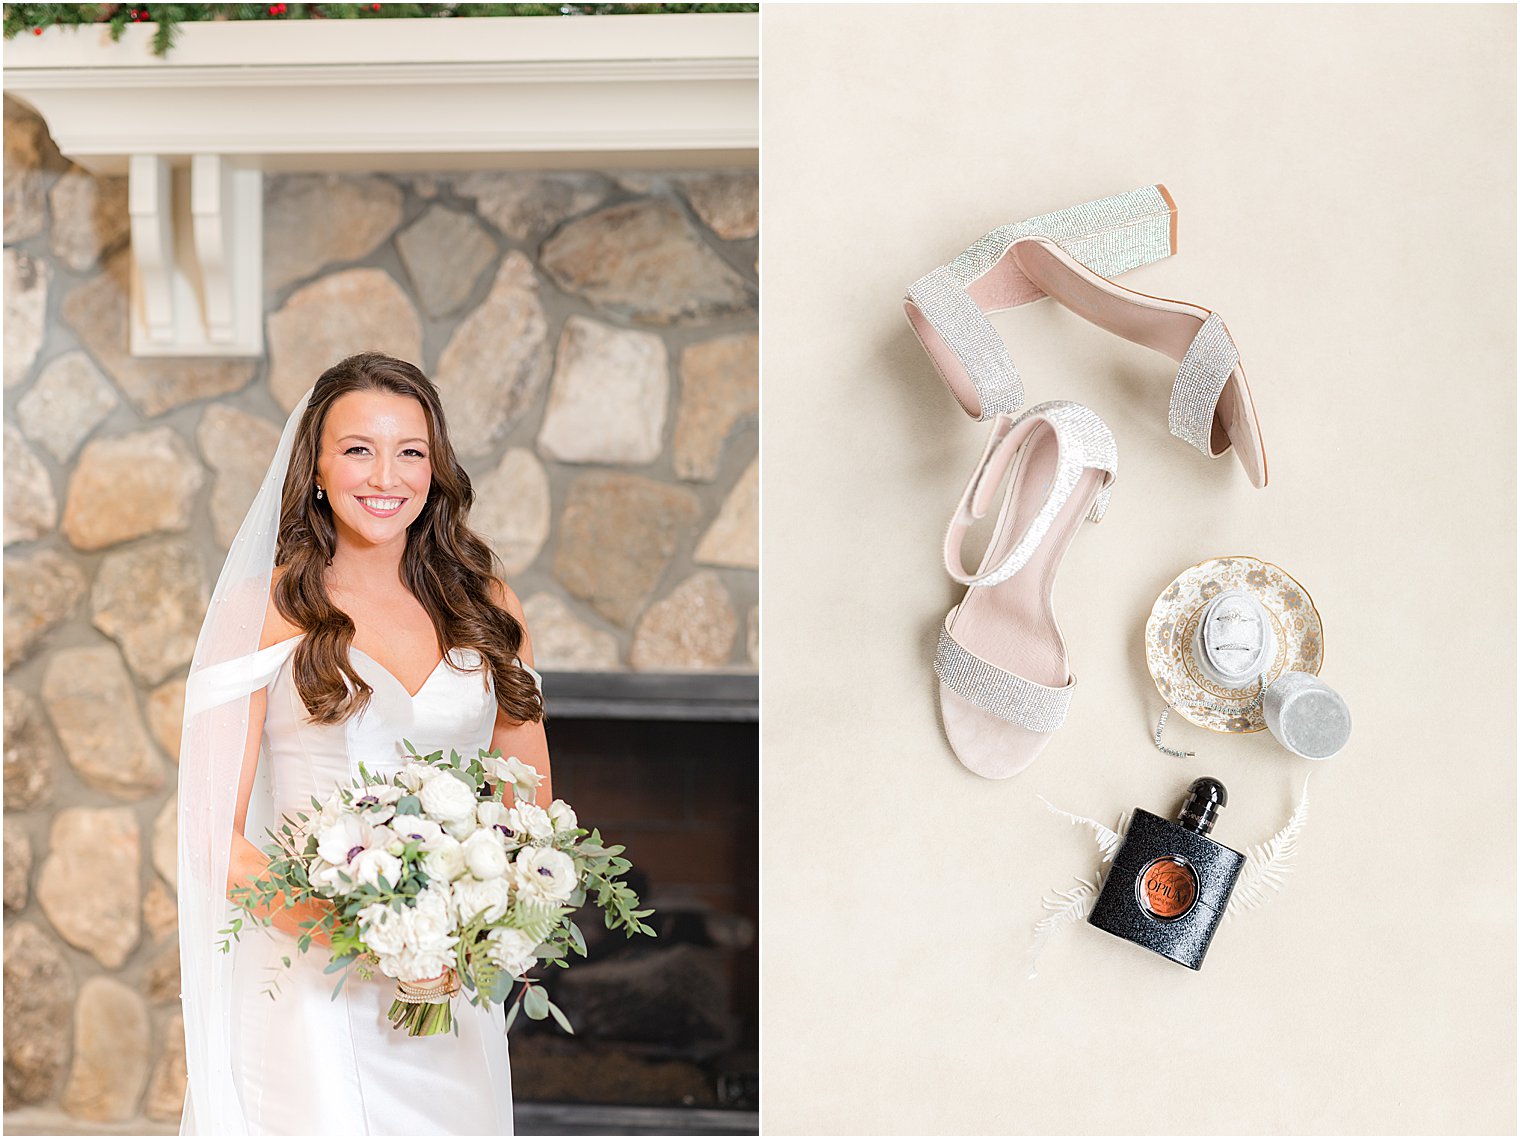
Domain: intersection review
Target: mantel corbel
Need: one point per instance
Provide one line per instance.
(194, 132)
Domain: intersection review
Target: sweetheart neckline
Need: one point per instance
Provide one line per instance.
(355, 649)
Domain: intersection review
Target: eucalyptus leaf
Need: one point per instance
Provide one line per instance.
(536, 1003)
(560, 1018)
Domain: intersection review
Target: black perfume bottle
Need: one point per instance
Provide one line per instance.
(1170, 883)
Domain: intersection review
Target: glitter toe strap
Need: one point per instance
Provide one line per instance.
(1206, 368)
(958, 329)
(1004, 694)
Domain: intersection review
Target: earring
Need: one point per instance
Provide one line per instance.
(319, 492)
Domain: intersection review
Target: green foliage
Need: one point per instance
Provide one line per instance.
(167, 18)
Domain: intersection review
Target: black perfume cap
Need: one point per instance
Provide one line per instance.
(1206, 797)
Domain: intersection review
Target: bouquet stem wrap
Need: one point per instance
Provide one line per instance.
(417, 1007)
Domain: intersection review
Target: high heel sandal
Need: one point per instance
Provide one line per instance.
(1069, 255)
(1005, 684)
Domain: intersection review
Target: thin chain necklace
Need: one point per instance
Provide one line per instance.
(1221, 709)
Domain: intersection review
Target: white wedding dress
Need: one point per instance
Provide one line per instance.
(305, 1063)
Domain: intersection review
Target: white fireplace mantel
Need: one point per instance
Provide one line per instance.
(194, 131)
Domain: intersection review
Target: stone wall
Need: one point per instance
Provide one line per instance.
(594, 338)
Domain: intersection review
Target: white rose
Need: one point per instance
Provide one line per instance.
(344, 839)
(475, 896)
(323, 876)
(484, 855)
(415, 965)
(562, 817)
(415, 826)
(385, 930)
(370, 866)
(448, 799)
(531, 820)
(443, 859)
(433, 921)
(512, 949)
(541, 872)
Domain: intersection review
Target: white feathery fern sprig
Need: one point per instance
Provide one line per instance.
(1066, 907)
(1108, 840)
(1268, 864)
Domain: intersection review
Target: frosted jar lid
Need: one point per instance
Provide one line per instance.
(1307, 716)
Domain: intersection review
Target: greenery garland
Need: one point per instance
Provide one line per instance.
(35, 18)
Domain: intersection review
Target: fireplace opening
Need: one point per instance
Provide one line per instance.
(666, 1028)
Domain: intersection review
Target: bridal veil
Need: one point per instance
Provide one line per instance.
(224, 673)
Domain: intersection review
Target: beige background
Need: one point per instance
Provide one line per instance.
(1346, 184)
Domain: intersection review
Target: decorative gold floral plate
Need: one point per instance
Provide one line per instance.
(1174, 617)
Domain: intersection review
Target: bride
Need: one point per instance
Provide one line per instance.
(355, 609)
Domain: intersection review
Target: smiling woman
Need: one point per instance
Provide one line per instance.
(383, 619)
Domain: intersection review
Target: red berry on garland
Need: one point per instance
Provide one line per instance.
(36, 31)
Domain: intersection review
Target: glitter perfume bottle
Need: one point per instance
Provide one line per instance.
(1170, 882)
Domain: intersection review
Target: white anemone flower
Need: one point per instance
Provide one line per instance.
(345, 839)
(499, 818)
(378, 803)
(415, 826)
(541, 872)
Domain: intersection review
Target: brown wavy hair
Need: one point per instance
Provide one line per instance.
(447, 566)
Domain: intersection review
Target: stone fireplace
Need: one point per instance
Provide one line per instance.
(589, 314)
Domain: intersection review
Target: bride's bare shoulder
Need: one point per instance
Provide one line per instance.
(503, 595)
(276, 628)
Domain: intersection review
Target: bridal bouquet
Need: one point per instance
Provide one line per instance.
(446, 869)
